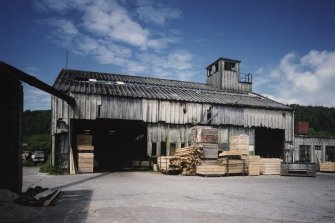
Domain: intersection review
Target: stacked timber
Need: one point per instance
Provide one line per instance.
(233, 165)
(327, 167)
(204, 134)
(85, 153)
(254, 165)
(190, 158)
(85, 162)
(270, 166)
(211, 170)
(210, 151)
(241, 153)
(169, 164)
(239, 143)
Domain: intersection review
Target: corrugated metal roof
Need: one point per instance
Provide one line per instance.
(77, 81)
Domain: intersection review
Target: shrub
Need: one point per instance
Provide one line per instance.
(52, 170)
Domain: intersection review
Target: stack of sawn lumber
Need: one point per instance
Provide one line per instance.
(327, 167)
(211, 170)
(234, 161)
(239, 143)
(270, 166)
(254, 165)
(169, 164)
(85, 153)
(206, 138)
(190, 158)
(234, 165)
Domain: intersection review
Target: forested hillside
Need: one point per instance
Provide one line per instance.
(36, 129)
(321, 119)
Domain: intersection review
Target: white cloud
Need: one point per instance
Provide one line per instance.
(156, 13)
(174, 65)
(112, 34)
(35, 99)
(308, 80)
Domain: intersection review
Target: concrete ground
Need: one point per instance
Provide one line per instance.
(153, 197)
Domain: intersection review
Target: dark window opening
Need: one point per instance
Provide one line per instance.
(154, 149)
(172, 149)
(230, 66)
(163, 149)
(209, 115)
(330, 153)
(216, 66)
(304, 153)
(209, 72)
(99, 110)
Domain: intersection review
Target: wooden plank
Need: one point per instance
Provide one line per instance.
(211, 170)
(270, 166)
(254, 165)
(85, 148)
(85, 155)
(327, 167)
(85, 169)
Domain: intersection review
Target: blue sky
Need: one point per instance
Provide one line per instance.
(288, 46)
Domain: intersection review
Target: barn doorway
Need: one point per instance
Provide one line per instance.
(269, 143)
(118, 144)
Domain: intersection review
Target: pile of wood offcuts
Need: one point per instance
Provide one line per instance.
(169, 164)
(190, 158)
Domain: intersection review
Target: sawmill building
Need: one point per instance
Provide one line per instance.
(136, 118)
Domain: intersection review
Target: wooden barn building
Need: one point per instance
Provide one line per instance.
(133, 118)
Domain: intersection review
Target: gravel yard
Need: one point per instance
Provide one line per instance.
(152, 197)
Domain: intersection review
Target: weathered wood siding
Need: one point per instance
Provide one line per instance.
(170, 122)
(152, 111)
(312, 142)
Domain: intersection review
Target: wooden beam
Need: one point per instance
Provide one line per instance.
(33, 81)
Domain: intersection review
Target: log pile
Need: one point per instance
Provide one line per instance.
(211, 170)
(169, 164)
(270, 166)
(327, 167)
(254, 165)
(190, 159)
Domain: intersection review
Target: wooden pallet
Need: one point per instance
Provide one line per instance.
(211, 170)
(234, 166)
(270, 166)
(327, 167)
(85, 162)
(254, 165)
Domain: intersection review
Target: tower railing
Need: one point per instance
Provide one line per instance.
(246, 78)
